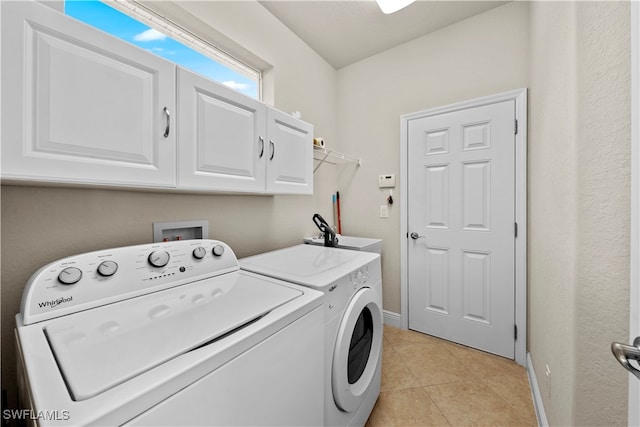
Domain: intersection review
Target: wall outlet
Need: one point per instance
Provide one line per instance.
(547, 373)
(384, 211)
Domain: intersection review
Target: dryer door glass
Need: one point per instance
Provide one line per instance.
(360, 346)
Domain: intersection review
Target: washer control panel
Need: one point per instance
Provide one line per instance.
(97, 278)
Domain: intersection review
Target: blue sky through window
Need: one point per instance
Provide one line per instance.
(112, 21)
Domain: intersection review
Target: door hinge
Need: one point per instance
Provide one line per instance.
(516, 126)
(515, 228)
(515, 332)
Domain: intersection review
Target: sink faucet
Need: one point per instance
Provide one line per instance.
(330, 239)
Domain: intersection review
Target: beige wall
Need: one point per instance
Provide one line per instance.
(604, 168)
(40, 225)
(579, 151)
(480, 56)
(604, 134)
(552, 199)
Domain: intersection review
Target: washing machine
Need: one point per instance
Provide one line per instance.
(168, 334)
(351, 283)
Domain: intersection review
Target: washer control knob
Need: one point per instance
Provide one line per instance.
(159, 258)
(199, 252)
(70, 276)
(107, 268)
(218, 250)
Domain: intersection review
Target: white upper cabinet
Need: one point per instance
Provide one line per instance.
(290, 154)
(80, 106)
(221, 137)
(230, 142)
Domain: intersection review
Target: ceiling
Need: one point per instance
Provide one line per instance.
(344, 32)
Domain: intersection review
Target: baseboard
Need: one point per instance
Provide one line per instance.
(535, 392)
(392, 319)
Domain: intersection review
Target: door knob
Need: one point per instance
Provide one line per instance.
(416, 236)
(624, 353)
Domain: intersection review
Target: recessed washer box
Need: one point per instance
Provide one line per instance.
(180, 230)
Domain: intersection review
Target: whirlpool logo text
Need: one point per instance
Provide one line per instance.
(55, 302)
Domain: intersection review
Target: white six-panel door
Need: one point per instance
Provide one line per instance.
(461, 213)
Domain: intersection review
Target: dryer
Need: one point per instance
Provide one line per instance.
(168, 334)
(351, 282)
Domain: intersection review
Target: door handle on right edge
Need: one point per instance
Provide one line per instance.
(416, 236)
(624, 353)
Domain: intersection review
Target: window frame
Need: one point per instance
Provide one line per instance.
(136, 10)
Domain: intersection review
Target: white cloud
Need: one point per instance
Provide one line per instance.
(149, 35)
(235, 85)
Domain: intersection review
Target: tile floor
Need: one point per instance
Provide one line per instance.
(427, 381)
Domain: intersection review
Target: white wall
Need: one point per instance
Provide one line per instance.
(40, 225)
(579, 207)
(480, 56)
(553, 194)
(604, 133)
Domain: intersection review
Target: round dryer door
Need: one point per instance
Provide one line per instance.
(357, 352)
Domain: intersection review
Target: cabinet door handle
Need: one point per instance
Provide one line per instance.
(167, 114)
(261, 147)
(273, 149)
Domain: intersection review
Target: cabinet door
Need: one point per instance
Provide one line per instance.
(80, 106)
(289, 154)
(221, 137)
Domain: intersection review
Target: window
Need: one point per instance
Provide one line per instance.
(225, 69)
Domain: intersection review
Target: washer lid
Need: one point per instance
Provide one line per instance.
(101, 348)
(308, 265)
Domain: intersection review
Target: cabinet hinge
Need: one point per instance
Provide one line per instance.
(515, 332)
(515, 229)
(516, 126)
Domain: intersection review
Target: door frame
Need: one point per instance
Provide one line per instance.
(634, 285)
(520, 303)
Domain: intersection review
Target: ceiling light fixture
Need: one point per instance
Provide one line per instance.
(391, 6)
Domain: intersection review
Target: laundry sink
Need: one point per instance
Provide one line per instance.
(350, 242)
